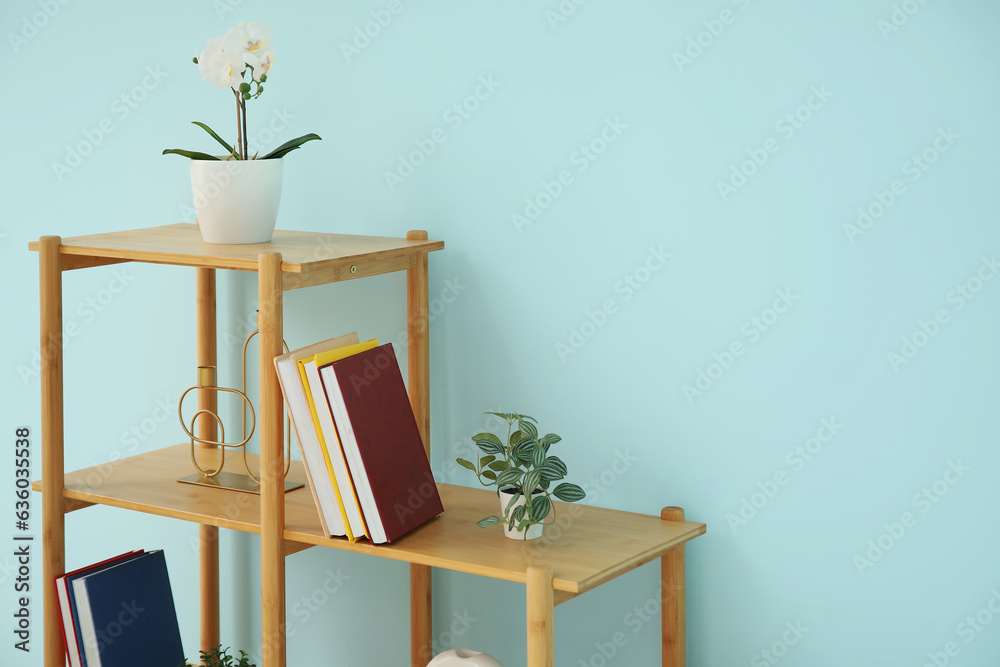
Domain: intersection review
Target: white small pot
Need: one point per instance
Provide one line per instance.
(463, 657)
(236, 200)
(532, 533)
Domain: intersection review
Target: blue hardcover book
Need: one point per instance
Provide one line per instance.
(67, 606)
(127, 616)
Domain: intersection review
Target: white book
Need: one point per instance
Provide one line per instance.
(297, 402)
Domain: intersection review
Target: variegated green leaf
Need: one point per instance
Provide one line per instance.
(540, 507)
(517, 515)
(510, 503)
(490, 447)
(537, 457)
(569, 492)
(553, 468)
(487, 436)
(531, 480)
(509, 477)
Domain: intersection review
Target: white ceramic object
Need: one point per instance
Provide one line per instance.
(236, 200)
(534, 531)
(463, 657)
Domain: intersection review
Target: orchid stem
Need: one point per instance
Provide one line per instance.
(239, 136)
(246, 147)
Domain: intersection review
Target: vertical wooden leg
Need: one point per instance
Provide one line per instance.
(421, 622)
(272, 496)
(541, 627)
(418, 386)
(208, 536)
(53, 519)
(418, 344)
(672, 592)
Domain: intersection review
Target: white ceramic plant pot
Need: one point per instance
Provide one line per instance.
(463, 657)
(533, 532)
(236, 200)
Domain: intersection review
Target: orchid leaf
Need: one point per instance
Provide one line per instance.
(194, 155)
(229, 149)
(289, 146)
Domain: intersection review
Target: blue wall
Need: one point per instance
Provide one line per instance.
(740, 255)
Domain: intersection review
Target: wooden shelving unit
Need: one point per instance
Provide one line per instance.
(594, 547)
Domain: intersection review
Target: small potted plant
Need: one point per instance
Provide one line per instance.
(219, 657)
(522, 471)
(236, 195)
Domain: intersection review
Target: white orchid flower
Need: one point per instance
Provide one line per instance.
(223, 68)
(249, 39)
(261, 65)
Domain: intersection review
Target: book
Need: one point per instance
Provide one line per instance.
(299, 409)
(381, 442)
(127, 614)
(330, 440)
(64, 593)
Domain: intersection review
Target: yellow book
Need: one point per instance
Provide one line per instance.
(329, 442)
(323, 489)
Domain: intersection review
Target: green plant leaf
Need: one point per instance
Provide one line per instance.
(466, 464)
(515, 438)
(489, 437)
(486, 460)
(553, 468)
(488, 521)
(527, 428)
(506, 416)
(194, 155)
(517, 515)
(289, 146)
(524, 452)
(490, 447)
(490, 475)
(540, 508)
(499, 466)
(510, 504)
(549, 439)
(509, 477)
(537, 456)
(569, 492)
(229, 149)
(531, 480)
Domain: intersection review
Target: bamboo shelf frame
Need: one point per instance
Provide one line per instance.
(595, 546)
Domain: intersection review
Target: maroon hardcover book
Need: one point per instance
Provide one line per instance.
(381, 442)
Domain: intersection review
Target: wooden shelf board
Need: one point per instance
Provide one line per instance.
(591, 546)
(328, 257)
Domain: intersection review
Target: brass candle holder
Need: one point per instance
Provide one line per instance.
(219, 478)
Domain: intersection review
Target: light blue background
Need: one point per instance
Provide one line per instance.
(522, 295)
